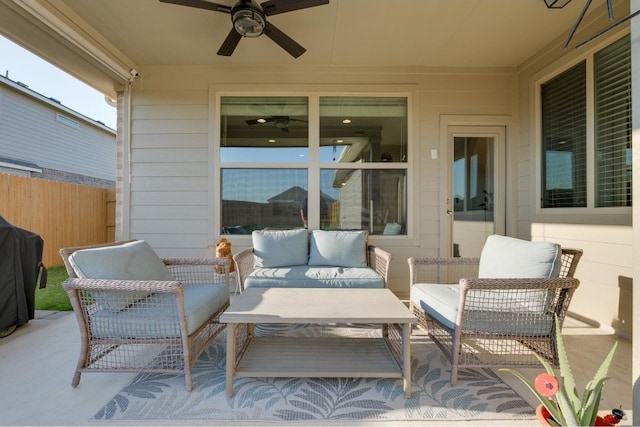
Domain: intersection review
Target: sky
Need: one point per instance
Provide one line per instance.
(20, 65)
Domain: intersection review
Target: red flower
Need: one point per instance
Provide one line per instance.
(546, 385)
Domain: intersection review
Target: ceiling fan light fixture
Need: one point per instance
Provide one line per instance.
(556, 4)
(248, 22)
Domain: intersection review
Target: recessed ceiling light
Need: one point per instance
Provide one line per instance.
(272, 141)
(261, 120)
(346, 121)
(339, 141)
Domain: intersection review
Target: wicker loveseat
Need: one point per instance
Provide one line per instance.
(315, 259)
(140, 313)
(496, 310)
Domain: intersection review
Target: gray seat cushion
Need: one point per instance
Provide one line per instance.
(500, 316)
(156, 316)
(314, 277)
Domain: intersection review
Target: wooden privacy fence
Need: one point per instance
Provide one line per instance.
(62, 214)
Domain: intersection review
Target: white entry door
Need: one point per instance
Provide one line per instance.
(476, 202)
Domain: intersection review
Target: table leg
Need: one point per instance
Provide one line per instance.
(231, 356)
(406, 356)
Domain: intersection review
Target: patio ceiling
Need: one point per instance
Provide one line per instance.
(81, 36)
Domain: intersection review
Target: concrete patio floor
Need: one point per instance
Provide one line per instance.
(37, 363)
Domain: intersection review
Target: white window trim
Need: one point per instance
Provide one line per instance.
(538, 80)
(216, 92)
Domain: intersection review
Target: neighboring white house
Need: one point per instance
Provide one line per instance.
(40, 137)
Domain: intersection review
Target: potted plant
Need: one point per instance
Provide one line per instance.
(560, 404)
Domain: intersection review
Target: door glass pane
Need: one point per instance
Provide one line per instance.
(264, 129)
(473, 192)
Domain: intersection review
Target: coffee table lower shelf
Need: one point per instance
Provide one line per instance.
(328, 357)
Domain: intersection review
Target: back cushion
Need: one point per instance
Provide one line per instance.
(280, 248)
(338, 248)
(129, 261)
(507, 257)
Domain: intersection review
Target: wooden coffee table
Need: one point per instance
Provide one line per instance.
(348, 357)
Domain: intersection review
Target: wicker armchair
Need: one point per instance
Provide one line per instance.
(490, 322)
(145, 324)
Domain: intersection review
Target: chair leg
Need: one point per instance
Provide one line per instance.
(455, 356)
(76, 379)
(188, 380)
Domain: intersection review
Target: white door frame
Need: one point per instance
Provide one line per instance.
(504, 196)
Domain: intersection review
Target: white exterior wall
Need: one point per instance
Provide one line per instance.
(30, 131)
(605, 235)
(173, 193)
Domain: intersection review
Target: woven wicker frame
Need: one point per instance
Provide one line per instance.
(506, 345)
(109, 342)
(377, 259)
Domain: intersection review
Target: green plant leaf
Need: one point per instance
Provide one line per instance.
(568, 383)
(593, 390)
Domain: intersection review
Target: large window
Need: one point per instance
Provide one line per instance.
(351, 174)
(566, 156)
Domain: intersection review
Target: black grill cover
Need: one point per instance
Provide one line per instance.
(20, 268)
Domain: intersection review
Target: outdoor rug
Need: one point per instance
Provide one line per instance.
(479, 395)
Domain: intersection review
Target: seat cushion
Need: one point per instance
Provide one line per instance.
(280, 248)
(338, 248)
(156, 316)
(314, 277)
(501, 315)
(438, 301)
(507, 257)
(129, 261)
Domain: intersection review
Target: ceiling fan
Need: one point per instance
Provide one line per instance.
(281, 122)
(250, 20)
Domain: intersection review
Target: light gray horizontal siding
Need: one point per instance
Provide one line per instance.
(29, 131)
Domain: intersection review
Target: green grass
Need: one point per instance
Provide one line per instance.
(53, 297)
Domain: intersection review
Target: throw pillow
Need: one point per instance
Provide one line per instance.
(338, 248)
(280, 248)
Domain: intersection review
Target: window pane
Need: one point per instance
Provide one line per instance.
(253, 199)
(613, 124)
(363, 129)
(264, 129)
(564, 177)
(373, 200)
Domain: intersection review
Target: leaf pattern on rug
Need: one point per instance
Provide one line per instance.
(480, 392)
(333, 398)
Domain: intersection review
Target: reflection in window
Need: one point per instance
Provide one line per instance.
(253, 199)
(473, 179)
(270, 135)
(264, 129)
(373, 200)
(363, 129)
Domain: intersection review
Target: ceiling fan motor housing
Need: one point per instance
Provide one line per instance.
(248, 18)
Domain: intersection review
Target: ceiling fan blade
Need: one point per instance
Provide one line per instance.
(283, 40)
(200, 4)
(274, 7)
(229, 44)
